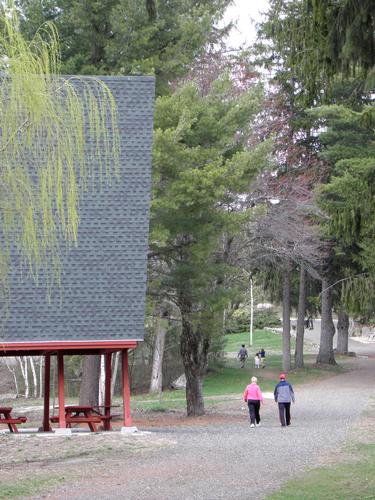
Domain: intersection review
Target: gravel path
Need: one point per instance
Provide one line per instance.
(232, 460)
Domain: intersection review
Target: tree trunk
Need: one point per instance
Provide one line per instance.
(342, 332)
(89, 393)
(114, 374)
(13, 371)
(40, 376)
(326, 355)
(286, 321)
(102, 380)
(156, 384)
(194, 352)
(35, 380)
(298, 358)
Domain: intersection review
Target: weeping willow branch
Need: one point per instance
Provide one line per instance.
(52, 131)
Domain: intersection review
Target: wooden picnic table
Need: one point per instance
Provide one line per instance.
(105, 417)
(6, 418)
(90, 415)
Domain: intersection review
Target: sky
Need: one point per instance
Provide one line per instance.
(245, 13)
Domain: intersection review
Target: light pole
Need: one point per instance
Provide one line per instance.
(251, 310)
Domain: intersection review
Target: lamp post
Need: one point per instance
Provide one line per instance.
(251, 310)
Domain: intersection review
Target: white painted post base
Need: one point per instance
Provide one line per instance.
(61, 431)
(128, 430)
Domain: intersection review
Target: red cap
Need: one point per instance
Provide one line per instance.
(282, 376)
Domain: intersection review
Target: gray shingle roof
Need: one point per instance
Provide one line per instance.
(103, 284)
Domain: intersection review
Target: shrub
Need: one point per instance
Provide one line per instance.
(239, 320)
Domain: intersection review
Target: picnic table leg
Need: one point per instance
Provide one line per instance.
(126, 388)
(61, 390)
(92, 425)
(107, 396)
(12, 427)
(47, 378)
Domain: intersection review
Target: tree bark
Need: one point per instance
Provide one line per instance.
(102, 380)
(156, 384)
(40, 376)
(35, 380)
(89, 393)
(342, 332)
(25, 374)
(13, 371)
(300, 332)
(194, 352)
(286, 321)
(114, 374)
(326, 354)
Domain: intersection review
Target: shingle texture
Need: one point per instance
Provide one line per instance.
(103, 283)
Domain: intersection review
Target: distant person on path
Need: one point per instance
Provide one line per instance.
(253, 397)
(310, 322)
(257, 360)
(262, 354)
(284, 395)
(242, 355)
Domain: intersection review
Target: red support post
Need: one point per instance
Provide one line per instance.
(107, 393)
(126, 388)
(47, 380)
(61, 389)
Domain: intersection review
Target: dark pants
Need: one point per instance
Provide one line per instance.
(284, 413)
(254, 405)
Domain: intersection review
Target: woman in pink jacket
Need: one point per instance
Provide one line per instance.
(253, 397)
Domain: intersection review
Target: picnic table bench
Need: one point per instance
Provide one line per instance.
(89, 415)
(6, 418)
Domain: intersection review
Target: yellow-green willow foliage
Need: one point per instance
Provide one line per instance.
(52, 129)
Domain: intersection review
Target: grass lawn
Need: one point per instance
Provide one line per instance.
(354, 480)
(261, 338)
(231, 380)
(27, 486)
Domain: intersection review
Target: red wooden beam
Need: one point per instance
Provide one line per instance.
(61, 389)
(107, 393)
(126, 388)
(47, 379)
(114, 345)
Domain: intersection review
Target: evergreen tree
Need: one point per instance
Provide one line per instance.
(128, 36)
(314, 41)
(201, 166)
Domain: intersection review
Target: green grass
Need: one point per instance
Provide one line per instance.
(228, 380)
(354, 480)
(231, 379)
(28, 486)
(261, 338)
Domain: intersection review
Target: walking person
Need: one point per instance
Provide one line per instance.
(311, 323)
(253, 397)
(242, 355)
(284, 395)
(262, 354)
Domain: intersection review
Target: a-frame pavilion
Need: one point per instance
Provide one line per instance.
(99, 307)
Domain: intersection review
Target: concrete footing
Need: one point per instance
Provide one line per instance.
(60, 431)
(128, 430)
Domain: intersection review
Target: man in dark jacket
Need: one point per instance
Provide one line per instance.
(284, 395)
(242, 355)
